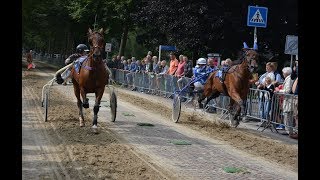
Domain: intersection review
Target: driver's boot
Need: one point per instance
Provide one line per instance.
(59, 79)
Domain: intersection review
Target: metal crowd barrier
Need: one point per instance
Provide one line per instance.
(50, 60)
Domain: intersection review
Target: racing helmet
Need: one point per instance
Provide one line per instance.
(81, 48)
(201, 61)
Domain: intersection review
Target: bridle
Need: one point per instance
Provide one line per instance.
(243, 58)
(93, 47)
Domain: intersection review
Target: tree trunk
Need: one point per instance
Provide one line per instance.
(123, 40)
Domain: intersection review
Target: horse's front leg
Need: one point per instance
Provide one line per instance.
(96, 107)
(235, 120)
(79, 103)
(85, 103)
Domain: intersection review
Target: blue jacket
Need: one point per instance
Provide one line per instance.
(133, 67)
(202, 73)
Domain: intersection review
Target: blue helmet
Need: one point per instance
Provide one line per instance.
(81, 48)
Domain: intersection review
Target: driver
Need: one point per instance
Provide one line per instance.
(201, 73)
(81, 50)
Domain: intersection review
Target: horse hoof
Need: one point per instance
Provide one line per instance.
(81, 122)
(235, 124)
(95, 129)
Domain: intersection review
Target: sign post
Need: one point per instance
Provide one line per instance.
(257, 17)
(108, 49)
(291, 46)
(166, 48)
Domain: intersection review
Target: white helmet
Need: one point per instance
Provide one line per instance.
(202, 61)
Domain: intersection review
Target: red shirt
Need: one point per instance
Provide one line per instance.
(180, 69)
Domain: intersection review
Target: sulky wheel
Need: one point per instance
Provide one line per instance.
(45, 104)
(113, 105)
(176, 108)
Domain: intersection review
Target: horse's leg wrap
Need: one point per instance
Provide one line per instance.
(85, 103)
(95, 114)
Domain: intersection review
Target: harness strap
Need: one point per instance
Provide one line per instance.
(88, 68)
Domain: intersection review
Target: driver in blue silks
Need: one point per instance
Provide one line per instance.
(201, 72)
(81, 51)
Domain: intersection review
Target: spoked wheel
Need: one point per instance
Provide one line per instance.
(176, 109)
(113, 105)
(45, 105)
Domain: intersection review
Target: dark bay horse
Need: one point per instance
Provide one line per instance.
(92, 76)
(235, 85)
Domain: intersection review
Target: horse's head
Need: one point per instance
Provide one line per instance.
(251, 57)
(96, 42)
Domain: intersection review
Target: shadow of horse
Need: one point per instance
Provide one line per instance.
(92, 76)
(235, 85)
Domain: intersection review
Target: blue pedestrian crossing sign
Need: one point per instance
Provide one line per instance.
(257, 16)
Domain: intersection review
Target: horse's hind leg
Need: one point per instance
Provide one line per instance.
(212, 96)
(79, 103)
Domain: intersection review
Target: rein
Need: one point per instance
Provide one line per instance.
(88, 67)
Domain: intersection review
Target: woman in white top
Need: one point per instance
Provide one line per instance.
(288, 100)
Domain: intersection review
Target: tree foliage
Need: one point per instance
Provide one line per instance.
(196, 27)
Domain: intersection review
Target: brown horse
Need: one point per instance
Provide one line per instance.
(92, 76)
(235, 85)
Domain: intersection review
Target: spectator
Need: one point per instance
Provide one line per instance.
(180, 70)
(130, 76)
(226, 64)
(269, 72)
(287, 102)
(278, 79)
(163, 70)
(294, 77)
(148, 64)
(187, 71)
(154, 62)
(266, 107)
(29, 60)
(118, 62)
(212, 64)
(157, 68)
(173, 64)
(112, 63)
(129, 63)
(125, 65)
(295, 108)
(170, 79)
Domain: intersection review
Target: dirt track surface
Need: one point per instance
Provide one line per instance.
(60, 149)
